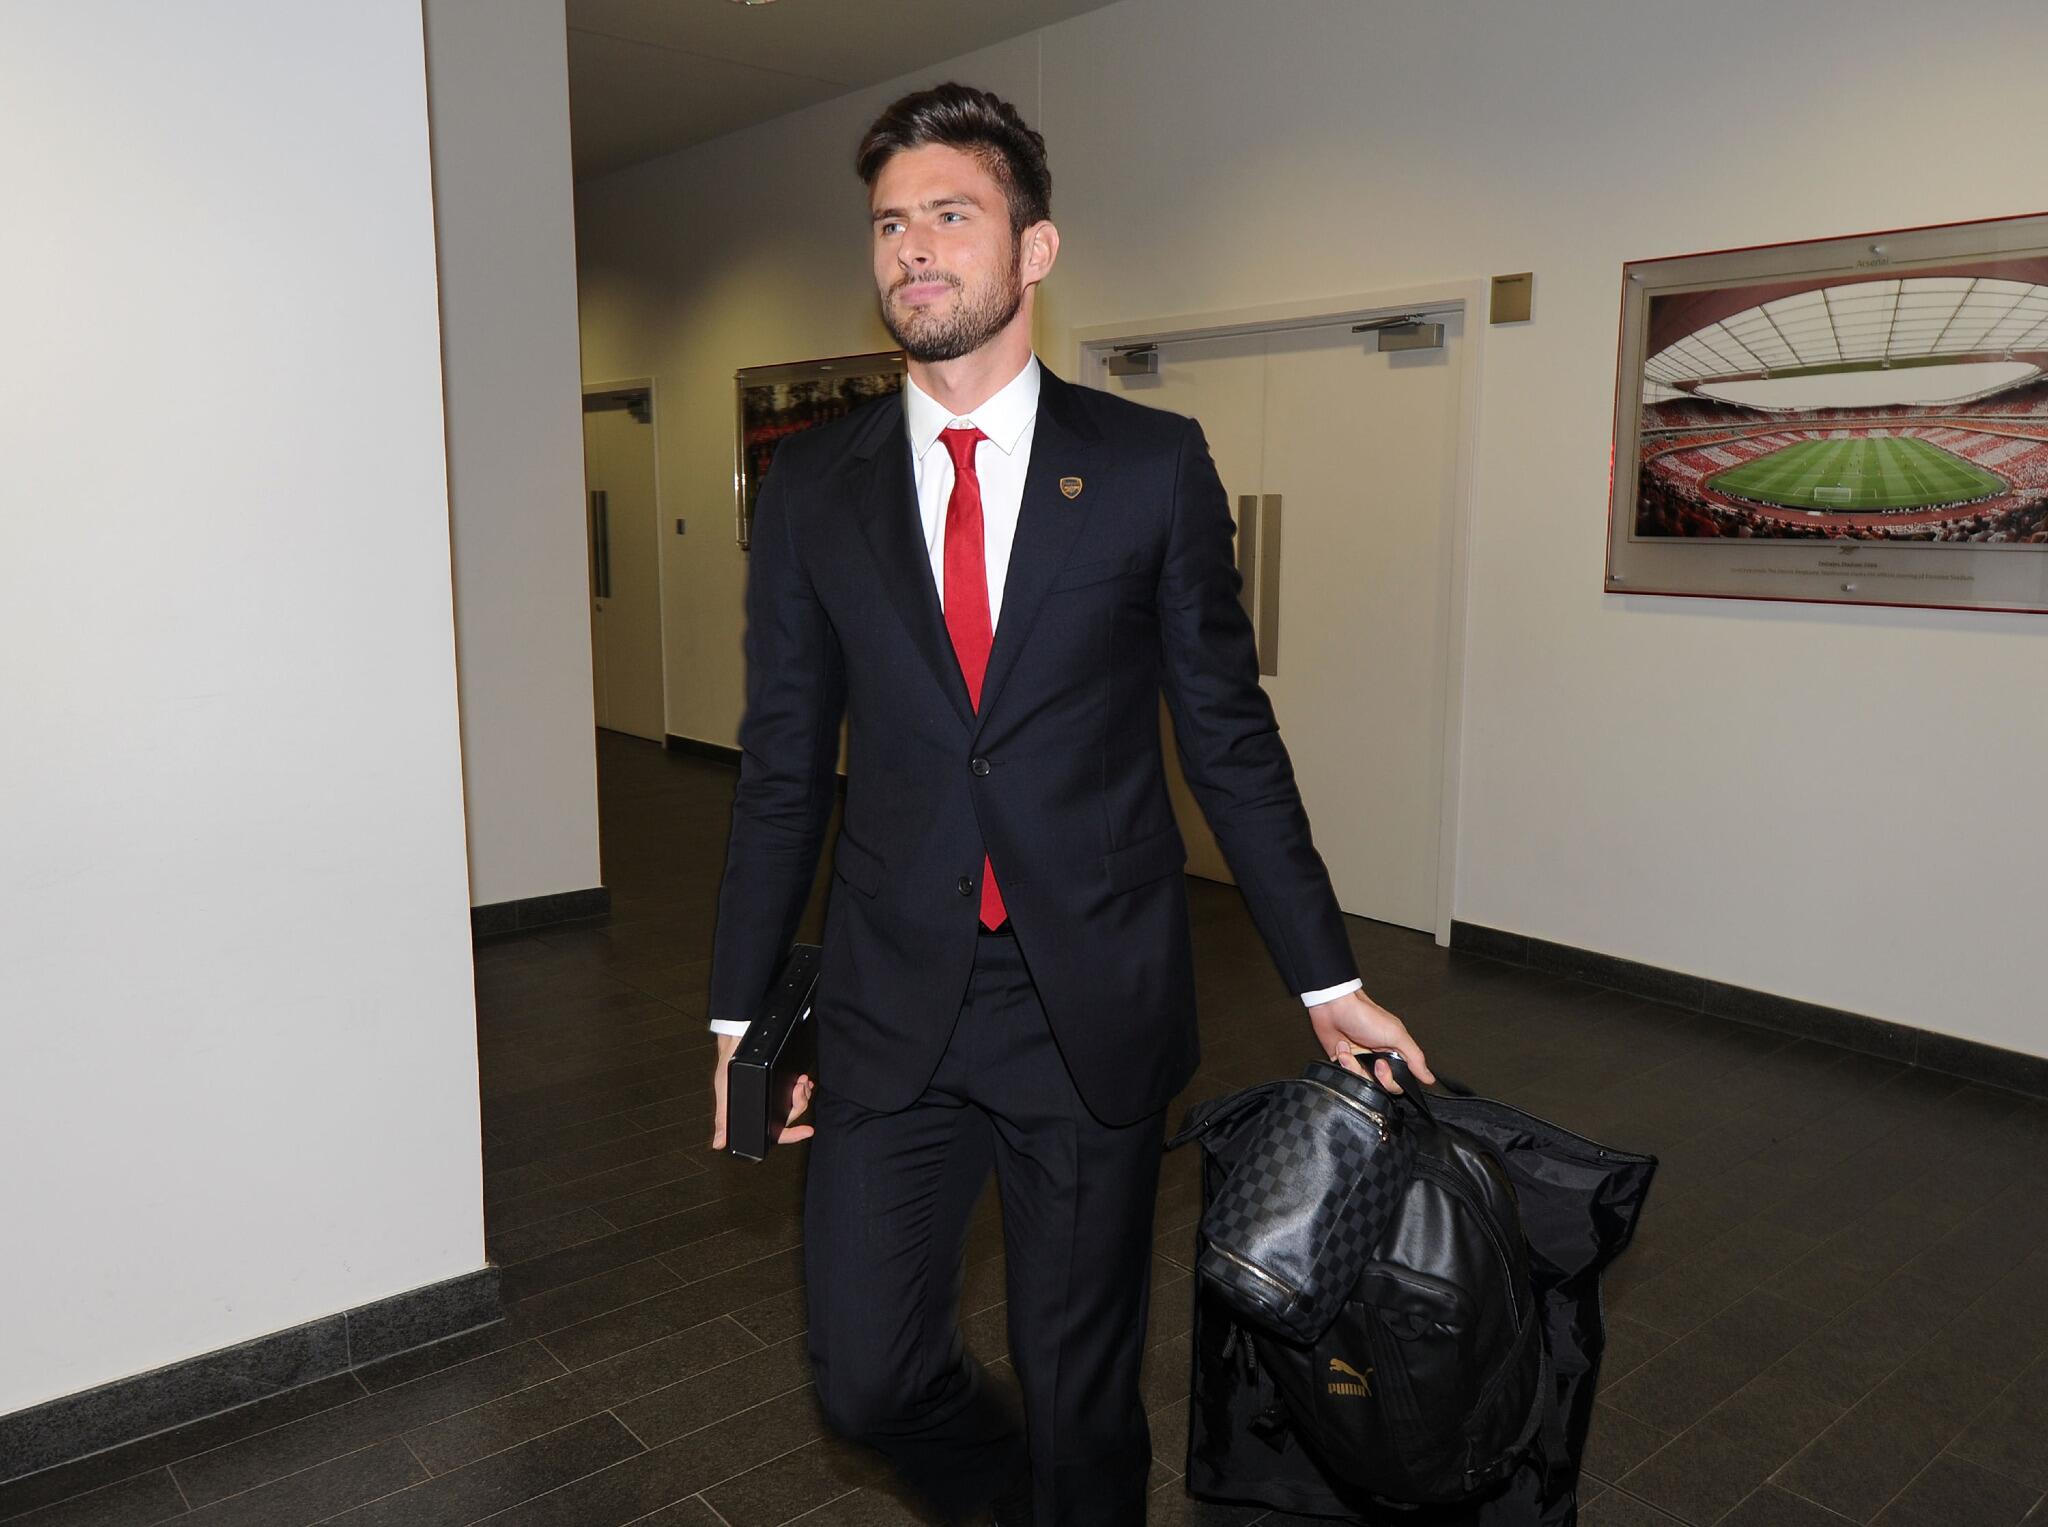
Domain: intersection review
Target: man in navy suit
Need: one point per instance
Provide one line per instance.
(992, 579)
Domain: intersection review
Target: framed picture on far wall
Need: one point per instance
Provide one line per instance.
(1860, 420)
(776, 402)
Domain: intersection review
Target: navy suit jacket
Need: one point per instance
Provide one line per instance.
(1124, 589)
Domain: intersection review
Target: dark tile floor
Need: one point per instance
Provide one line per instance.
(1836, 1311)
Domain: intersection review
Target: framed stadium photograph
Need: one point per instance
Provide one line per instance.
(775, 402)
(1859, 420)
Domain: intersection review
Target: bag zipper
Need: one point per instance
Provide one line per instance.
(1450, 1179)
(1593, 1148)
(1379, 1120)
(1293, 1294)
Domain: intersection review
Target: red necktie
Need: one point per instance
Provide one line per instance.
(967, 620)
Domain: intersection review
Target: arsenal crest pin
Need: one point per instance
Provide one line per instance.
(1071, 486)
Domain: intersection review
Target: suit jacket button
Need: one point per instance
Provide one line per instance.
(966, 886)
(980, 766)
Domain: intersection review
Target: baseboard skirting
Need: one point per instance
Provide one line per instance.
(539, 912)
(700, 748)
(68, 1428)
(2013, 1070)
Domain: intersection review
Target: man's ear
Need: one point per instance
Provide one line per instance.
(1036, 251)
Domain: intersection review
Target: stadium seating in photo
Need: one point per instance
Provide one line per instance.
(1974, 471)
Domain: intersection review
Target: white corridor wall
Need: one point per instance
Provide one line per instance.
(498, 88)
(239, 1089)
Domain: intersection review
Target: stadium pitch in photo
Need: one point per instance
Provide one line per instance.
(1909, 407)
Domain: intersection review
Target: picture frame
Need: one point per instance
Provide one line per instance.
(1853, 420)
(774, 402)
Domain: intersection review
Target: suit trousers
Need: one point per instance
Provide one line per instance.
(888, 1198)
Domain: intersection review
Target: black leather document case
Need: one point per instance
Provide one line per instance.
(779, 1046)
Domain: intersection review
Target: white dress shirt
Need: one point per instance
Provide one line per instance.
(1009, 418)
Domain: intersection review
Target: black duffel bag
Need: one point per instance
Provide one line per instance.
(1252, 1441)
(1422, 1382)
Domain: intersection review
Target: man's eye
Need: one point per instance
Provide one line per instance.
(955, 214)
(891, 227)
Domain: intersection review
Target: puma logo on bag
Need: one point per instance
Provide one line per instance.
(1363, 1386)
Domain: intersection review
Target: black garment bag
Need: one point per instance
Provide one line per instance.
(1578, 1205)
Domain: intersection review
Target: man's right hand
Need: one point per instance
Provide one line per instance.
(791, 1133)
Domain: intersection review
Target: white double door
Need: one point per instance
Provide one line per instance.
(1347, 458)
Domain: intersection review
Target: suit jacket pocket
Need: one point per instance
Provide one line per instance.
(1081, 574)
(856, 866)
(1146, 860)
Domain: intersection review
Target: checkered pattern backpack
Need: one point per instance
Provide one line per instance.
(1307, 1199)
(1426, 1382)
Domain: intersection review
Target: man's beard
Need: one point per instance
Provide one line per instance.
(978, 317)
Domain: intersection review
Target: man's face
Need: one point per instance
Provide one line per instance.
(946, 266)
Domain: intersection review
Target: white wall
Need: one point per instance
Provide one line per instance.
(1836, 805)
(497, 81)
(239, 1089)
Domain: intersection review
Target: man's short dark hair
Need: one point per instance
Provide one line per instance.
(976, 122)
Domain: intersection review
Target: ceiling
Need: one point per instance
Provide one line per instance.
(648, 77)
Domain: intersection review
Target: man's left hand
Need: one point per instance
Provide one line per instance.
(1355, 1022)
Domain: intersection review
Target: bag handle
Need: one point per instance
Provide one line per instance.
(1410, 1087)
(1215, 1112)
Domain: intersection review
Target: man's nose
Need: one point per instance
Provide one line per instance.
(912, 250)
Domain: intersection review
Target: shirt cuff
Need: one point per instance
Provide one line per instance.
(1311, 998)
(728, 1026)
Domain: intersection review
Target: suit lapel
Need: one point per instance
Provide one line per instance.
(1047, 524)
(895, 535)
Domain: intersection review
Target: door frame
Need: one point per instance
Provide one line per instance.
(1094, 343)
(648, 385)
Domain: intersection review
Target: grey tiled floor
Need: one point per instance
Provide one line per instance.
(1836, 1310)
